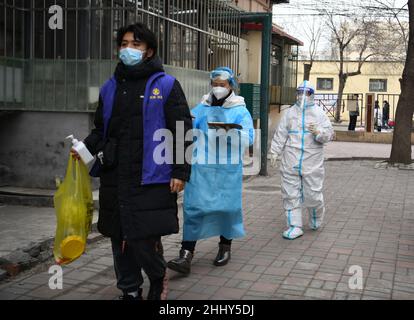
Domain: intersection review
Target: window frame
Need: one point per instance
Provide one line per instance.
(319, 87)
(385, 81)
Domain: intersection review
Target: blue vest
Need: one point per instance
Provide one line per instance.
(157, 91)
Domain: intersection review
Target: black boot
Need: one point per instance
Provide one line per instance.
(137, 295)
(182, 264)
(158, 289)
(223, 255)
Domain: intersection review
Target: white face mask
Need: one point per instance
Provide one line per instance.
(220, 92)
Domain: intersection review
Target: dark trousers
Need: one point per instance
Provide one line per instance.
(135, 256)
(352, 122)
(190, 245)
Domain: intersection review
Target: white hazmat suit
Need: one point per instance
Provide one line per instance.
(299, 139)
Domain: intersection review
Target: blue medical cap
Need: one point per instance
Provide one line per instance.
(224, 73)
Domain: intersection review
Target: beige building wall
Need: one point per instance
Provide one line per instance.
(391, 71)
(243, 76)
(254, 56)
(253, 5)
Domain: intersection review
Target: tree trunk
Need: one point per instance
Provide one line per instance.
(342, 82)
(401, 143)
(307, 71)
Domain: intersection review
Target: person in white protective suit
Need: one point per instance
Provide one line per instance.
(299, 139)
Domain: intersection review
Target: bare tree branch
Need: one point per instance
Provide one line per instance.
(353, 36)
(396, 16)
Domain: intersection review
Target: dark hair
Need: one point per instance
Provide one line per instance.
(141, 33)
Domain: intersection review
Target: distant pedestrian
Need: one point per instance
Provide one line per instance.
(353, 109)
(385, 114)
(377, 117)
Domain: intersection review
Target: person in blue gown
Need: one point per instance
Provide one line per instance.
(223, 129)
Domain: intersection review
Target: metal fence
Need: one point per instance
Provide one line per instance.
(61, 70)
(329, 103)
(392, 99)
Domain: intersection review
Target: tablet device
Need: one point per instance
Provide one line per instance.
(223, 125)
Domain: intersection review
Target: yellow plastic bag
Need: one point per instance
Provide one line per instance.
(74, 210)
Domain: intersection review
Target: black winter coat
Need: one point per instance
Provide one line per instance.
(128, 210)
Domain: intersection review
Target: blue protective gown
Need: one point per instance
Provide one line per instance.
(213, 196)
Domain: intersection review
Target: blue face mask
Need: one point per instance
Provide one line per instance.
(131, 57)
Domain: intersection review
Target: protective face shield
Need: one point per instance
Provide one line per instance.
(224, 73)
(305, 95)
(131, 57)
(220, 92)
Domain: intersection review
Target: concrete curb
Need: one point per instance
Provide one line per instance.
(23, 200)
(357, 159)
(398, 166)
(23, 259)
(32, 200)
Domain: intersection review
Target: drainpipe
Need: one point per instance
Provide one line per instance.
(266, 20)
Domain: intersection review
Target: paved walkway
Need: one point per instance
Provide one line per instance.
(19, 227)
(369, 223)
(25, 226)
(335, 150)
(22, 227)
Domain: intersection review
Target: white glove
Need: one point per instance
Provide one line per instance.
(274, 160)
(313, 129)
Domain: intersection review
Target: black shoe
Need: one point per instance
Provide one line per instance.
(223, 255)
(182, 264)
(132, 295)
(158, 289)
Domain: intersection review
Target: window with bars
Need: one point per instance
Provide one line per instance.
(378, 85)
(324, 84)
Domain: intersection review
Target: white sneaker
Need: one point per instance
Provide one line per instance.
(292, 233)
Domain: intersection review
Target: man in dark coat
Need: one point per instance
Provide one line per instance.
(385, 114)
(353, 112)
(138, 198)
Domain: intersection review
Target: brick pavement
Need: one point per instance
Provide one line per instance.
(369, 223)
